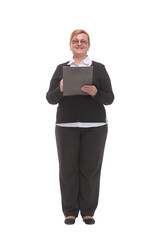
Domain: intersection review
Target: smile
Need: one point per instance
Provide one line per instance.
(79, 48)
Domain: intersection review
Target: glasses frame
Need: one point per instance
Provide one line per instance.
(76, 41)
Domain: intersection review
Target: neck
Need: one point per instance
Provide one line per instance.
(78, 60)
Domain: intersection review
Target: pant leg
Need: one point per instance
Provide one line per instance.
(68, 142)
(91, 155)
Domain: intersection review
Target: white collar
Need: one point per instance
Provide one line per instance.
(86, 62)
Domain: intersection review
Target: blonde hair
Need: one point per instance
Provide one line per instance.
(79, 31)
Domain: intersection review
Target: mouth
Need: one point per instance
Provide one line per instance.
(79, 48)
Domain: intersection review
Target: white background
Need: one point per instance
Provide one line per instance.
(34, 40)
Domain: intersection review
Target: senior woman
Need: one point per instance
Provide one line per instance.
(81, 131)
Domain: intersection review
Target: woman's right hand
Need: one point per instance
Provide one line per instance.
(61, 85)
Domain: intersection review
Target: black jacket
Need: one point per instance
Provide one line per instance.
(83, 108)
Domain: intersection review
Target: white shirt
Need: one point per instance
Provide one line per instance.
(85, 63)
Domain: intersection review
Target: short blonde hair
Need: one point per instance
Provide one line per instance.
(79, 31)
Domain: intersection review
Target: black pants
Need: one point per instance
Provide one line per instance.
(80, 153)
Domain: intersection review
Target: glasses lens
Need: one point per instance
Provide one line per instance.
(75, 41)
(84, 42)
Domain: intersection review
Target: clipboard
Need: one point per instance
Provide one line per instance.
(76, 77)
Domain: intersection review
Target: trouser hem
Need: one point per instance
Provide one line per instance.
(83, 214)
(75, 214)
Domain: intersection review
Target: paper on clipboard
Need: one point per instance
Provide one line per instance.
(76, 77)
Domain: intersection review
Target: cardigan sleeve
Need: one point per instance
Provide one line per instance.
(104, 90)
(54, 95)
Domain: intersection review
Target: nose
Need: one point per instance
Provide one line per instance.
(79, 43)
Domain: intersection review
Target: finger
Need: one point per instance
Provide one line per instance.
(87, 89)
(83, 89)
(87, 86)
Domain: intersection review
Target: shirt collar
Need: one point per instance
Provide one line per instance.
(86, 62)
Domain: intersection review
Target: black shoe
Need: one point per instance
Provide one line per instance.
(89, 221)
(69, 221)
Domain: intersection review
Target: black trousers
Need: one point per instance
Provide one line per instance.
(80, 153)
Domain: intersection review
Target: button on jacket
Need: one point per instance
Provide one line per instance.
(81, 108)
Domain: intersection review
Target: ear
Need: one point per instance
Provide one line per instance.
(70, 46)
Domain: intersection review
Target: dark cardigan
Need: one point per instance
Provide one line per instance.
(83, 108)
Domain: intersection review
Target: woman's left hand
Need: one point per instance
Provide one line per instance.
(90, 89)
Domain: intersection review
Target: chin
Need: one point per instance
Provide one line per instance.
(79, 53)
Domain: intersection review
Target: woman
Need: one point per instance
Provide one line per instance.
(81, 131)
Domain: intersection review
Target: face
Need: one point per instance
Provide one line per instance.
(79, 45)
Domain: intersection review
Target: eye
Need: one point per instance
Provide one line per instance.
(75, 41)
(84, 42)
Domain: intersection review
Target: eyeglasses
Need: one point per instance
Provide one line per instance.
(82, 41)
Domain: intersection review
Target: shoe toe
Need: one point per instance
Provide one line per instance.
(89, 221)
(69, 221)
